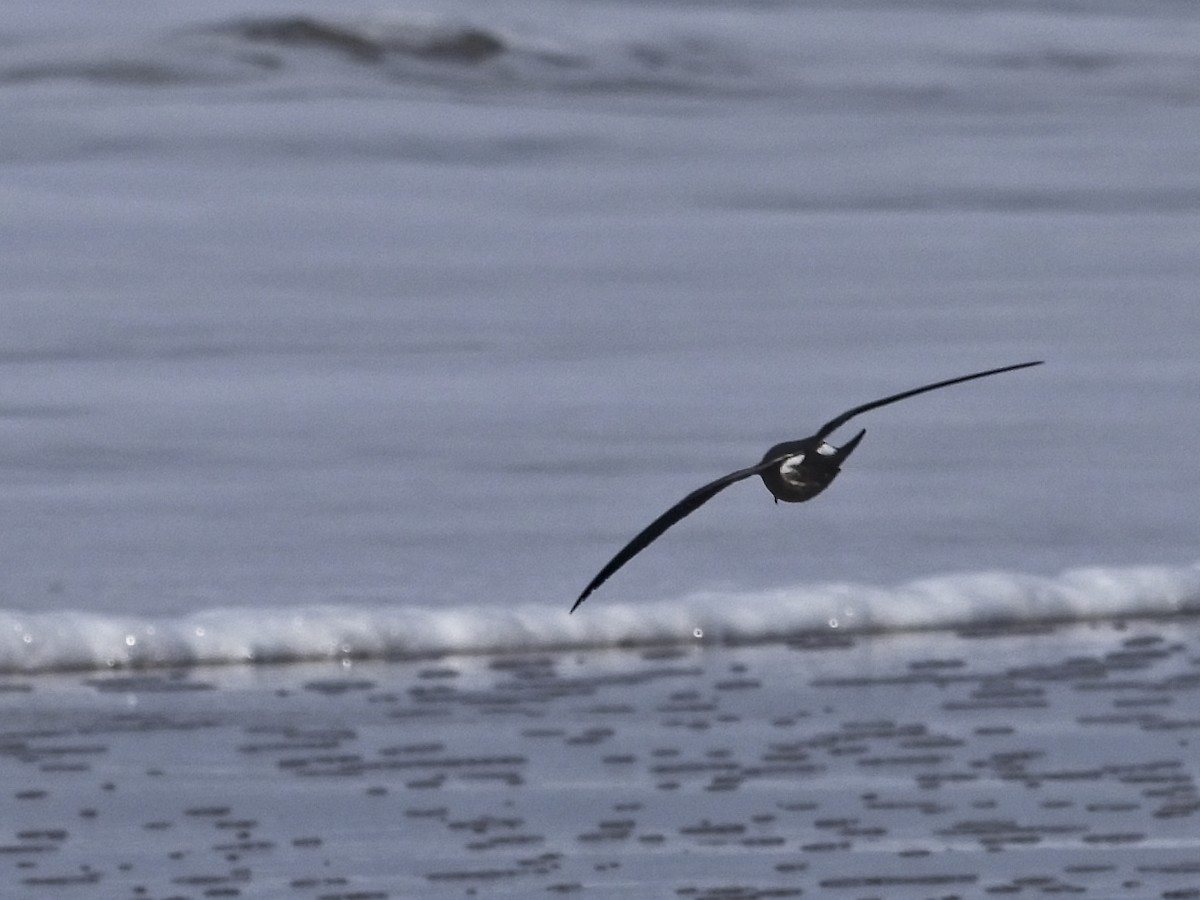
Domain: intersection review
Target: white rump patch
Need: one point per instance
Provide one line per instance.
(791, 464)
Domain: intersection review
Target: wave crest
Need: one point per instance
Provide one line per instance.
(77, 640)
(448, 42)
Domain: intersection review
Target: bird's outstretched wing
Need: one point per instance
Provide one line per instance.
(688, 504)
(700, 496)
(833, 424)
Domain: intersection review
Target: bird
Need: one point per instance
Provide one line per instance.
(793, 471)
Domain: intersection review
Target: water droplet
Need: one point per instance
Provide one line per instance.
(130, 640)
(698, 633)
(833, 623)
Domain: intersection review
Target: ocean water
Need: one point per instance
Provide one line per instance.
(362, 329)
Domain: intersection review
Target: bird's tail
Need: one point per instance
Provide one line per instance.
(847, 448)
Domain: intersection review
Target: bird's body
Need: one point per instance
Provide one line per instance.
(793, 471)
(802, 469)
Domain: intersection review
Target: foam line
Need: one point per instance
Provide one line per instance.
(78, 640)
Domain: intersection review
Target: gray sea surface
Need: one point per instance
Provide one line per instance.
(440, 303)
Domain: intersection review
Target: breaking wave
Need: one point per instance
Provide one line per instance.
(960, 63)
(76, 640)
(305, 51)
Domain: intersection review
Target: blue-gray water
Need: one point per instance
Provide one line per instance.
(368, 307)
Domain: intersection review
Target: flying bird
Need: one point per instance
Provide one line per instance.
(793, 472)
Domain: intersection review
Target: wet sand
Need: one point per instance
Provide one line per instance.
(1030, 762)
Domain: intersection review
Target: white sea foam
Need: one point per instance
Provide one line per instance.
(73, 640)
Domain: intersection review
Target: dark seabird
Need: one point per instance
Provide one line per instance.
(793, 471)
